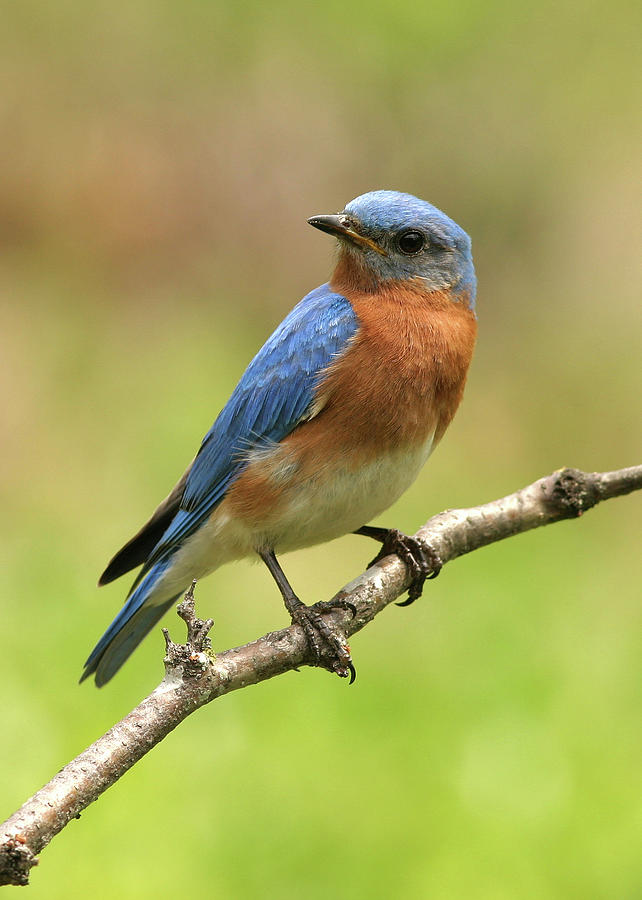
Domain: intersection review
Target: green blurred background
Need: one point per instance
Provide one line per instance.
(159, 160)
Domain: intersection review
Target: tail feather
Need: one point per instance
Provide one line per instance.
(138, 549)
(137, 617)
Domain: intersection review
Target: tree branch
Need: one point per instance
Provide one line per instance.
(194, 677)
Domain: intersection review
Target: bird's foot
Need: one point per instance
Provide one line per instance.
(421, 560)
(329, 649)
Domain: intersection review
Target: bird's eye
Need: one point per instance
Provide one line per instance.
(411, 242)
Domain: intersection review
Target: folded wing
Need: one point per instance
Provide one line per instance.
(275, 394)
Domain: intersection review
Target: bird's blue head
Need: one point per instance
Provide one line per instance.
(396, 236)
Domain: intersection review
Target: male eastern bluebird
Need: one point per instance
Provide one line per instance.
(329, 425)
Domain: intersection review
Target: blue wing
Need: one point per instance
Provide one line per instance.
(272, 398)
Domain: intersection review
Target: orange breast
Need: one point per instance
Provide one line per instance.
(400, 382)
(404, 376)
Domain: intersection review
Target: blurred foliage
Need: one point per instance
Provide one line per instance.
(158, 163)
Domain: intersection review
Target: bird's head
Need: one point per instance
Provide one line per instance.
(388, 236)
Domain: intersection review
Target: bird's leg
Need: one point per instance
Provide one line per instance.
(327, 648)
(422, 561)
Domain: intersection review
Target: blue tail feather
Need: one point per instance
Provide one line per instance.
(133, 622)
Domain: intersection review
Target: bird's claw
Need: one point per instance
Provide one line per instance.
(338, 603)
(328, 649)
(422, 561)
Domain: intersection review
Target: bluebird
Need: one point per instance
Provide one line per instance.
(330, 423)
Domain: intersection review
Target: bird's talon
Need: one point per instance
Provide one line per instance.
(328, 650)
(421, 560)
(329, 605)
(343, 671)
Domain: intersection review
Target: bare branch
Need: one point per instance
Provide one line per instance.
(194, 677)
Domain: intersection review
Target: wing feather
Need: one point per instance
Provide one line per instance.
(275, 394)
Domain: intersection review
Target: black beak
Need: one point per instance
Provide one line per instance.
(331, 224)
(341, 227)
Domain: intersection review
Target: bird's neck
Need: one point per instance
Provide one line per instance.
(353, 276)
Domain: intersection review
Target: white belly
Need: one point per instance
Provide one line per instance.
(328, 507)
(324, 507)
